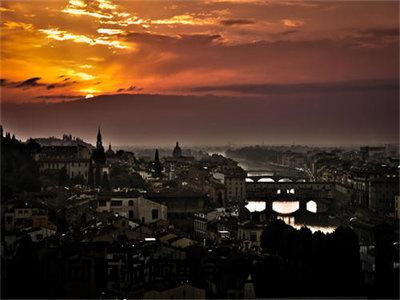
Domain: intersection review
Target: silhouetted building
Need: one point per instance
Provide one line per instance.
(157, 165)
(177, 153)
(98, 169)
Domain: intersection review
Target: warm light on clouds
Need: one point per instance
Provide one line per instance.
(292, 23)
(185, 20)
(109, 31)
(104, 46)
(14, 25)
(61, 35)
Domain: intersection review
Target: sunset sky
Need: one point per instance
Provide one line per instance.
(59, 50)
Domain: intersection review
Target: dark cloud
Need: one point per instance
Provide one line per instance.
(320, 87)
(364, 117)
(60, 96)
(130, 89)
(380, 32)
(34, 82)
(31, 82)
(287, 32)
(232, 22)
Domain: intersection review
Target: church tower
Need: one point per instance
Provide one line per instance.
(99, 143)
(157, 165)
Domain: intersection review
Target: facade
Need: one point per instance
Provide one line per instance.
(75, 160)
(397, 207)
(249, 234)
(234, 180)
(382, 192)
(134, 208)
(185, 291)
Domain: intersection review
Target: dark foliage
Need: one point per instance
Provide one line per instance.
(19, 172)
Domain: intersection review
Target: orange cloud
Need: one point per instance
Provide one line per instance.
(292, 23)
(19, 25)
(61, 35)
(185, 20)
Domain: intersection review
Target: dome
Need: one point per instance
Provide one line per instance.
(177, 151)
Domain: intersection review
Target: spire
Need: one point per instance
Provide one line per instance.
(99, 143)
(157, 165)
(109, 147)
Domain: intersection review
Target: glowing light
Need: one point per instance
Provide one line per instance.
(184, 20)
(285, 207)
(292, 23)
(89, 96)
(256, 206)
(312, 206)
(78, 11)
(109, 31)
(61, 35)
(266, 180)
(105, 4)
(77, 3)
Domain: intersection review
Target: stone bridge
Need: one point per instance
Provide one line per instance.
(271, 176)
(321, 204)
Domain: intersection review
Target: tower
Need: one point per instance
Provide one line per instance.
(157, 165)
(99, 143)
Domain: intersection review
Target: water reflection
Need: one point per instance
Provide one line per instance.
(253, 206)
(285, 207)
(291, 221)
(312, 206)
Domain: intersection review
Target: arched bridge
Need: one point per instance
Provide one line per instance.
(290, 204)
(270, 176)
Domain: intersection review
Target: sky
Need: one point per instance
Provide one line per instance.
(66, 51)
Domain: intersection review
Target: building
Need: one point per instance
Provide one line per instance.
(182, 205)
(98, 169)
(382, 192)
(234, 180)
(133, 208)
(249, 233)
(74, 159)
(185, 291)
(397, 207)
(177, 153)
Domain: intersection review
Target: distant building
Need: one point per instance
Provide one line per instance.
(75, 160)
(397, 207)
(234, 180)
(157, 165)
(177, 153)
(98, 169)
(134, 208)
(178, 157)
(382, 192)
(110, 154)
(185, 291)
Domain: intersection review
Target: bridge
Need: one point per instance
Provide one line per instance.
(304, 189)
(274, 176)
(321, 193)
(279, 204)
